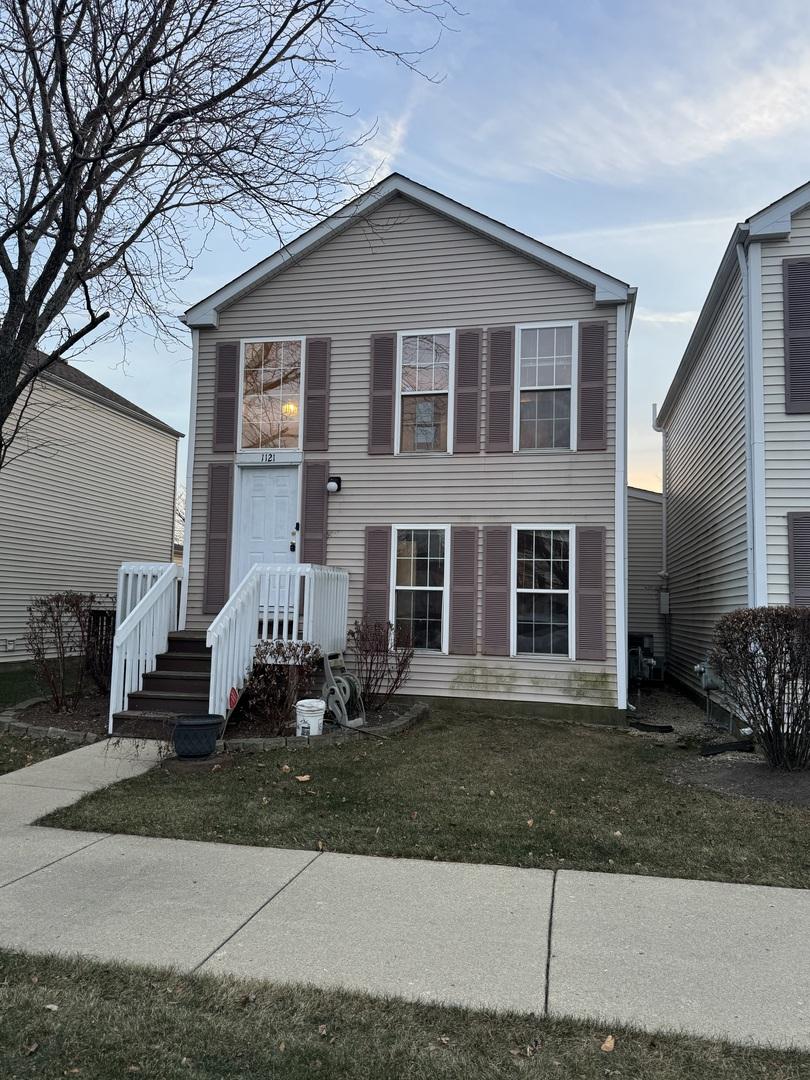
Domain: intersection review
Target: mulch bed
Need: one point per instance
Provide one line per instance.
(91, 714)
(746, 776)
(242, 726)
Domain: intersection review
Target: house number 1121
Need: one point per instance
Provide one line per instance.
(268, 457)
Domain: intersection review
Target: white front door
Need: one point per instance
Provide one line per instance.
(267, 518)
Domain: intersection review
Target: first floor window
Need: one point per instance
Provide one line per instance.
(424, 385)
(542, 600)
(419, 585)
(545, 368)
(271, 395)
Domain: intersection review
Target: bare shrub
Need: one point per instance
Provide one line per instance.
(283, 672)
(763, 656)
(382, 659)
(56, 635)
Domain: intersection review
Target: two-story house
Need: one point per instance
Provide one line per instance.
(435, 402)
(736, 428)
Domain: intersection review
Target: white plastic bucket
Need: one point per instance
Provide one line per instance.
(309, 716)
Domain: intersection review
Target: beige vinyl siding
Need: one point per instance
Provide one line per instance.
(706, 492)
(408, 268)
(645, 553)
(787, 437)
(99, 492)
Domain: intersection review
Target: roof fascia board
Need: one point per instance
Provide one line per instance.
(645, 494)
(717, 293)
(98, 399)
(607, 289)
(774, 222)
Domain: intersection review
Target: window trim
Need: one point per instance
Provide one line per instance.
(243, 344)
(392, 591)
(572, 591)
(574, 324)
(398, 392)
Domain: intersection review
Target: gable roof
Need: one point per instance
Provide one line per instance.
(772, 222)
(72, 378)
(607, 289)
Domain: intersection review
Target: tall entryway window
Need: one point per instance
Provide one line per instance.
(267, 517)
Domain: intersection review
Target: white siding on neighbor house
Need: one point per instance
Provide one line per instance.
(787, 437)
(99, 492)
(408, 268)
(706, 492)
(645, 553)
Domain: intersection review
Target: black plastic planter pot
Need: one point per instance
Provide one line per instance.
(196, 736)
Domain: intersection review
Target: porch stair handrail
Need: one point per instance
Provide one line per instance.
(288, 602)
(144, 632)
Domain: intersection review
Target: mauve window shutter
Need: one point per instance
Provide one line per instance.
(381, 408)
(591, 593)
(316, 393)
(314, 506)
(497, 584)
(377, 579)
(226, 396)
(592, 378)
(467, 418)
(500, 375)
(796, 291)
(463, 590)
(799, 558)
(218, 538)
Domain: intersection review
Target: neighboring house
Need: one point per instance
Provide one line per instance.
(462, 389)
(646, 625)
(94, 487)
(736, 425)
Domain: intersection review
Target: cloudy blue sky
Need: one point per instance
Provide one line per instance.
(632, 135)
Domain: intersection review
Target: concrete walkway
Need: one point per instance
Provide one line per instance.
(708, 958)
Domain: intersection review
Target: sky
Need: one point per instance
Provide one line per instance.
(630, 135)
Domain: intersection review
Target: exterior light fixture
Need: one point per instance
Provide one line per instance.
(333, 484)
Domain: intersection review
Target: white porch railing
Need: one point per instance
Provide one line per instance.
(146, 611)
(287, 602)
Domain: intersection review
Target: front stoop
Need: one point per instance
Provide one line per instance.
(179, 685)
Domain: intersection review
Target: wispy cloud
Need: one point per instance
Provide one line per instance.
(638, 229)
(379, 153)
(666, 318)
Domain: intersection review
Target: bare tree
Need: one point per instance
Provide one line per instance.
(133, 126)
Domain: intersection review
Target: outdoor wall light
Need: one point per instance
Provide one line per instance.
(333, 484)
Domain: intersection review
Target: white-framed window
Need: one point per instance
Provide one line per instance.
(543, 597)
(545, 386)
(270, 394)
(424, 385)
(420, 583)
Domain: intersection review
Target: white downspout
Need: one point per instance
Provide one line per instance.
(620, 539)
(192, 433)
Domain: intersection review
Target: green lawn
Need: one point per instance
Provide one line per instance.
(472, 789)
(17, 751)
(111, 1022)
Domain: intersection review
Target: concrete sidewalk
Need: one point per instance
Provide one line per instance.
(707, 958)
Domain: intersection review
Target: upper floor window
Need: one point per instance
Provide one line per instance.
(271, 395)
(424, 380)
(420, 581)
(546, 362)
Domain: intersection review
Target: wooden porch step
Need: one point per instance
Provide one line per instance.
(143, 725)
(184, 682)
(188, 641)
(184, 661)
(170, 701)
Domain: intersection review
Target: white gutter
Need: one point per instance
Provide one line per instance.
(620, 537)
(664, 572)
(192, 440)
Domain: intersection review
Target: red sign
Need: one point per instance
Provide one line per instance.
(233, 697)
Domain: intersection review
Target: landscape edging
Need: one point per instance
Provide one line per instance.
(10, 723)
(418, 711)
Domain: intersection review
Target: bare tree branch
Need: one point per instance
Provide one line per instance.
(133, 127)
